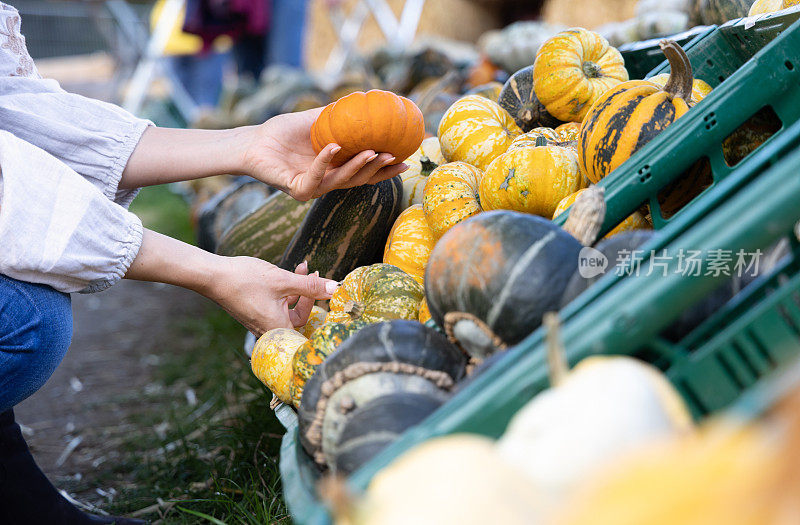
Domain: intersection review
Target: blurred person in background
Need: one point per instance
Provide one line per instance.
(200, 70)
(69, 168)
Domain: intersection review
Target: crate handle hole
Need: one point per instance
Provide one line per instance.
(789, 65)
(710, 62)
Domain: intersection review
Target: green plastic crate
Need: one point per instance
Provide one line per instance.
(489, 401)
(641, 57)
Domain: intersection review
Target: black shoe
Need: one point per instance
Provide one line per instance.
(26, 496)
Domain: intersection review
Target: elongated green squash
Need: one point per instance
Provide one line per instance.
(346, 229)
(266, 232)
(228, 207)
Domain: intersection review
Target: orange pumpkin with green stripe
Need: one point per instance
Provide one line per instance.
(573, 69)
(628, 116)
(531, 180)
(476, 130)
(569, 131)
(410, 243)
(451, 195)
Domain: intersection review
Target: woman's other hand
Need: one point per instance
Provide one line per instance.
(259, 295)
(280, 153)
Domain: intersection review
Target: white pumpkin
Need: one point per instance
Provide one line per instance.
(457, 479)
(604, 408)
(420, 165)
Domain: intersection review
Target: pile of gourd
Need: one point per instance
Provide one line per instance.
(463, 243)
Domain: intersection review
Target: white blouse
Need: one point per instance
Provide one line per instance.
(63, 218)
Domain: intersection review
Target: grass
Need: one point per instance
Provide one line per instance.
(214, 461)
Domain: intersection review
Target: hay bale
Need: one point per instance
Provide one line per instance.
(589, 14)
(437, 20)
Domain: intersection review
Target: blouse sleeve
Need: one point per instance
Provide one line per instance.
(56, 228)
(93, 138)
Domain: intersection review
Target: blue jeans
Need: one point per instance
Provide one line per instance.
(35, 332)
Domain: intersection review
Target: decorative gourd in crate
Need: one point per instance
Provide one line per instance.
(410, 243)
(700, 88)
(376, 120)
(634, 221)
(380, 381)
(531, 179)
(375, 293)
(476, 130)
(573, 69)
(420, 165)
(491, 278)
(272, 360)
(628, 116)
(519, 99)
(451, 195)
(313, 352)
(762, 7)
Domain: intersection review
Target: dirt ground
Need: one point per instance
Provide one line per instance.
(74, 424)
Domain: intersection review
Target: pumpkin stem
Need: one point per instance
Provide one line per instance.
(591, 69)
(354, 309)
(586, 215)
(427, 165)
(681, 77)
(556, 353)
(541, 141)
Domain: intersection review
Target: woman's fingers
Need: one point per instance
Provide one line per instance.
(312, 286)
(387, 173)
(302, 269)
(299, 314)
(309, 184)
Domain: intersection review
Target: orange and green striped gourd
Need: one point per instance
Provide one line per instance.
(380, 292)
(573, 69)
(313, 352)
(476, 130)
(451, 196)
(700, 88)
(628, 116)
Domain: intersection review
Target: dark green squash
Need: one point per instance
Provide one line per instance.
(519, 99)
(717, 12)
(503, 269)
(228, 207)
(345, 229)
(392, 358)
(377, 424)
(266, 232)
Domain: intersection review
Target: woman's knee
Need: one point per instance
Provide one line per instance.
(35, 332)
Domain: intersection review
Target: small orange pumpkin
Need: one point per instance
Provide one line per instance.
(410, 243)
(451, 195)
(376, 120)
(569, 131)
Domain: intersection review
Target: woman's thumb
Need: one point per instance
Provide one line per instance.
(309, 286)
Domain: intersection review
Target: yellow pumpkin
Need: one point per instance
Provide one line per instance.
(531, 138)
(628, 116)
(424, 311)
(315, 319)
(700, 88)
(476, 130)
(272, 360)
(450, 196)
(531, 180)
(635, 221)
(762, 7)
(569, 131)
(410, 243)
(420, 165)
(573, 69)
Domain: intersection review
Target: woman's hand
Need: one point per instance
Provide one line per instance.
(280, 153)
(259, 295)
